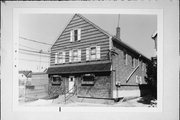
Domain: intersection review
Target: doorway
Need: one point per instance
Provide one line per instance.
(71, 83)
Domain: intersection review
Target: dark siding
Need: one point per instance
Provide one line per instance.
(122, 71)
(89, 36)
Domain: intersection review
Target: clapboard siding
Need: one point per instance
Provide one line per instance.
(90, 36)
(83, 39)
(77, 46)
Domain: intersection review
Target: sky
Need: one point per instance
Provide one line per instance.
(136, 31)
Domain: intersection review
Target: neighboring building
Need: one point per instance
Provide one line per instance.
(154, 70)
(24, 79)
(24, 76)
(89, 62)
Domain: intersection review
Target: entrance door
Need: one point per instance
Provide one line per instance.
(71, 84)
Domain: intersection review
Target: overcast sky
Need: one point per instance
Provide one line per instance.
(136, 30)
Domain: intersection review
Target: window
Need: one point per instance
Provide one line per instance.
(143, 67)
(93, 53)
(138, 79)
(133, 62)
(75, 35)
(75, 55)
(60, 57)
(88, 80)
(139, 62)
(56, 80)
(125, 58)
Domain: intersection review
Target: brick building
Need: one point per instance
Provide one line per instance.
(88, 62)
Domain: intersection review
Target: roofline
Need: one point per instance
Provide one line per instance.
(97, 27)
(106, 33)
(129, 47)
(62, 31)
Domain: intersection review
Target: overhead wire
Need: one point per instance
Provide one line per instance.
(32, 40)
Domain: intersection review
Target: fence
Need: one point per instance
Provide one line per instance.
(36, 89)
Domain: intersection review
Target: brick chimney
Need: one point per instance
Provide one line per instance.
(118, 32)
(118, 28)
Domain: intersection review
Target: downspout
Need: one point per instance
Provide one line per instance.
(112, 71)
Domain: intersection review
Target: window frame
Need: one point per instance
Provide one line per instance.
(89, 50)
(72, 57)
(93, 54)
(63, 57)
(53, 83)
(74, 35)
(87, 82)
(125, 57)
(133, 62)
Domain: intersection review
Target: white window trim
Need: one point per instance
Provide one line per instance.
(78, 35)
(71, 56)
(126, 59)
(56, 58)
(138, 79)
(98, 53)
(63, 57)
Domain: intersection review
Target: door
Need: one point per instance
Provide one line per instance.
(71, 84)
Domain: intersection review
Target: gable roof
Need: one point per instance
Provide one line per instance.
(114, 38)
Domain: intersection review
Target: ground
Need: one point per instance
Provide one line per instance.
(126, 102)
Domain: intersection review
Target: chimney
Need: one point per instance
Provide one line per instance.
(118, 32)
(118, 29)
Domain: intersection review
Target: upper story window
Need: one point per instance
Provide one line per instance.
(75, 35)
(93, 53)
(75, 55)
(60, 57)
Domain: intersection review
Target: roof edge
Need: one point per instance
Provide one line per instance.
(129, 47)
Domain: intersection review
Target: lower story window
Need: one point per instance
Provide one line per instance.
(56, 80)
(88, 80)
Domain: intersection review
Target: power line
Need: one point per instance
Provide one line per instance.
(34, 41)
(40, 52)
(22, 52)
(33, 60)
(28, 47)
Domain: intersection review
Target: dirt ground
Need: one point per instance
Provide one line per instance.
(126, 102)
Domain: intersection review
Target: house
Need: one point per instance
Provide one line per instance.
(24, 79)
(90, 63)
(154, 69)
(24, 76)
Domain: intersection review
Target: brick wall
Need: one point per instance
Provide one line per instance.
(54, 90)
(101, 88)
(121, 71)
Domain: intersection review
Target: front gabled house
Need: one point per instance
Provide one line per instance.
(90, 63)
